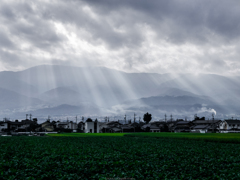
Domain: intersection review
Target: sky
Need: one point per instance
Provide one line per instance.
(160, 36)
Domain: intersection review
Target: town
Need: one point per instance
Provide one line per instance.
(197, 125)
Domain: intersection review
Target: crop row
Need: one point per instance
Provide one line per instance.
(112, 157)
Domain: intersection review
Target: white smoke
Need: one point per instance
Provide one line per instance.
(207, 110)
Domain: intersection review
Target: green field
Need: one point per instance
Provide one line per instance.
(227, 137)
(222, 137)
(117, 157)
(85, 134)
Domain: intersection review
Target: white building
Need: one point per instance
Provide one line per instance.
(230, 125)
(91, 126)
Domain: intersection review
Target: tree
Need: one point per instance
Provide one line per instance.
(147, 129)
(164, 128)
(89, 120)
(147, 117)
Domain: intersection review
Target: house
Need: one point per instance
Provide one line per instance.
(154, 128)
(183, 126)
(211, 123)
(201, 128)
(127, 128)
(47, 126)
(112, 126)
(62, 125)
(81, 126)
(72, 125)
(230, 124)
(29, 125)
(137, 126)
(204, 126)
(4, 126)
(91, 126)
(17, 126)
(68, 126)
(115, 129)
(104, 127)
(146, 127)
(172, 125)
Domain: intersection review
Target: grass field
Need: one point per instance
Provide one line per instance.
(224, 137)
(116, 157)
(212, 136)
(86, 134)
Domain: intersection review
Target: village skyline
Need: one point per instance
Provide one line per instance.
(89, 125)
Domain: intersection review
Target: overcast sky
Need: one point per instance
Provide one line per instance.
(160, 36)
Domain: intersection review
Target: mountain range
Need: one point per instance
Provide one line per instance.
(54, 89)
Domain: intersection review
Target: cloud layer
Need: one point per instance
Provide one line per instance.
(200, 36)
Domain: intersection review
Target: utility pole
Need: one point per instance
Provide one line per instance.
(76, 119)
(171, 118)
(212, 122)
(134, 118)
(26, 116)
(125, 118)
(165, 118)
(30, 116)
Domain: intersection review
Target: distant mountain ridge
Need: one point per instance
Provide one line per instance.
(12, 100)
(65, 109)
(105, 89)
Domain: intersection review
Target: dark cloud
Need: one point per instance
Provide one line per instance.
(138, 33)
(180, 21)
(5, 42)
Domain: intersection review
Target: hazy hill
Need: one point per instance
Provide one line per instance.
(10, 81)
(10, 99)
(66, 109)
(99, 85)
(78, 86)
(204, 84)
(62, 95)
(48, 77)
(168, 91)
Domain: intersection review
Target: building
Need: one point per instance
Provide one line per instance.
(183, 126)
(154, 128)
(200, 128)
(91, 126)
(230, 124)
(127, 128)
(4, 126)
(112, 126)
(47, 126)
